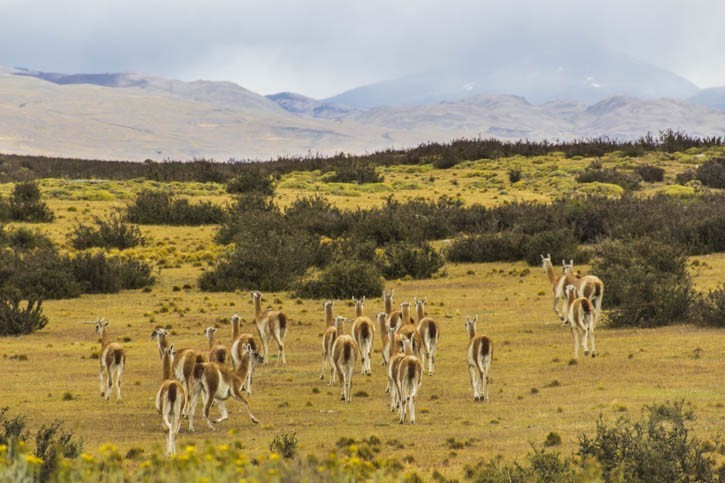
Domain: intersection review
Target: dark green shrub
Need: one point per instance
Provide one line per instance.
(152, 207)
(12, 430)
(709, 308)
(712, 173)
(405, 259)
(38, 273)
(97, 273)
(628, 181)
(560, 244)
(268, 254)
(544, 467)
(315, 214)
(18, 320)
(52, 443)
(486, 248)
(25, 239)
(342, 279)
(112, 232)
(647, 283)
(686, 176)
(651, 174)
(515, 175)
(25, 204)
(355, 172)
(251, 180)
(284, 445)
(658, 447)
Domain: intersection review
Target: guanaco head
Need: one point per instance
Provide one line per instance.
(209, 332)
(471, 325)
(253, 354)
(381, 318)
(340, 321)
(101, 326)
(235, 319)
(327, 305)
(546, 261)
(256, 296)
(567, 267)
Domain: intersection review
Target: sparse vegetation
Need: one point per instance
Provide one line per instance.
(111, 232)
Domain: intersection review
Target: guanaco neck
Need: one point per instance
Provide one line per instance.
(105, 340)
(210, 336)
(339, 328)
(420, 309)
(571, 279)
(235, 328)
(257, 307)
(471, 331)
(549, 269)
(405, 311)
(166, 366)
(388, 301)
(329, 320)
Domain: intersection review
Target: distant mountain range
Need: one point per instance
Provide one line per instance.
(135, 116)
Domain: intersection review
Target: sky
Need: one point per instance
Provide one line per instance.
(320, 48)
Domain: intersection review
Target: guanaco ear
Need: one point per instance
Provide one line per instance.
(425, 300)
(171, 349)
(571, 262)
(475, 318)
(363, 299)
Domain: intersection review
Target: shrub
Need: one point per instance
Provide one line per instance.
(405, 259)
(560, 244)
(25, 239)
(515, 175)
(38, 273)
(52, 443)
(628, 181)
(268, 255)
(647, 282)
(285, 445)
(315, 214)
(355, 172)
(162, 208)
(18, 320)
(658, 447)
(709, 308)
(342, 279)
(712, 173)
(651, 174)
(25, 204)
(251, 180)
(486, 248)
(97, 273)
(112, 232)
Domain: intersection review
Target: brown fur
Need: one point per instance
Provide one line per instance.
(344, 353)
(112, 359)
(217, 383)
(270, 324)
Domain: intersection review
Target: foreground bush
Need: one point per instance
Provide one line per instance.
(18, 320)
(342, 279)
(112, 232)
(25, 205)
(647, 283)
(403, 259)
(98, 273)
(709, 308)
(162, 208)
(712, 173)
(355, 172)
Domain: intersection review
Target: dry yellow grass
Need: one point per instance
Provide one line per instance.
(535, 390)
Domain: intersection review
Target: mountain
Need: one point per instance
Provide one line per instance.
(713, 97)
(137, 117)
(585, 76)
(307, 106)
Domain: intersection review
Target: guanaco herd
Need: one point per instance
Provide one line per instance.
(218, 373)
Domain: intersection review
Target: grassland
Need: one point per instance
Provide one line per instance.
(535, 389)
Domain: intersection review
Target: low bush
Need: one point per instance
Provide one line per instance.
(251, 180)
(628, 181)
(152, 207)
(651, 174)
(647, 282)
(560, 244)
(98, 273)
(284, 445)
(112, 232)
(355, 172)
(342, 279)
(658, 447)
(18, 320)
(709, 308)
(404, 259)
(483, 248)
(25, 204)
(712, 173)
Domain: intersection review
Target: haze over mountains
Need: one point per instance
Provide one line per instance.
(135, 116)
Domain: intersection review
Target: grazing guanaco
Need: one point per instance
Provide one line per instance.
(112, 361)
(429, 334)
(580, 313)
(363, 331)
(479, 357)
(344, 356)
(270, 323)
(170, 400)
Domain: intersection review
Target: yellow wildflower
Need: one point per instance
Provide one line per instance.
(87, 457)
(33, 460)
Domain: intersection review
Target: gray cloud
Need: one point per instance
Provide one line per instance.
(321, 47)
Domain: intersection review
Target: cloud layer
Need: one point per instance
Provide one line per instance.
(322, 47)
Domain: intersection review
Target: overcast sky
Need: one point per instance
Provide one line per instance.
(322, 47)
